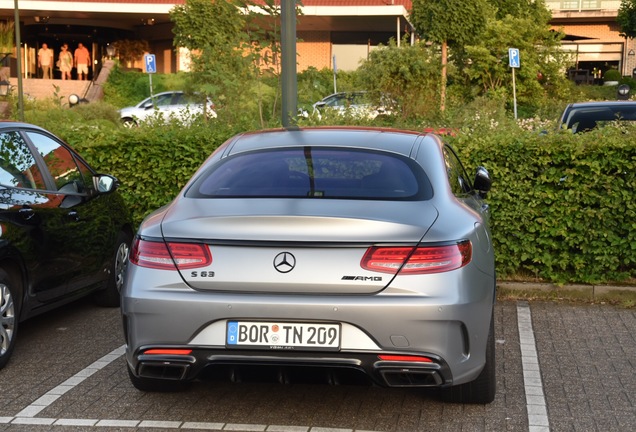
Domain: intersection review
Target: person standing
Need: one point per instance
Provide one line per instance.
(45, 61)
(82, 60)
(65, 62)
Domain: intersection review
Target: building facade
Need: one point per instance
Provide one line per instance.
(330, 32)
(592, 35)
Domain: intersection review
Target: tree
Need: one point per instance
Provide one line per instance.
(406, 76)
(214, 32)
(130, 50)
(449, 22)
(525, 25)
(626, 18)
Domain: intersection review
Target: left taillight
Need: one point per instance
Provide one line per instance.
(170, 255)
(417, 260)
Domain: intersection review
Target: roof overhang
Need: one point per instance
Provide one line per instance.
(130, 14)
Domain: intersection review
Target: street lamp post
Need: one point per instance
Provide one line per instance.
(18, 42)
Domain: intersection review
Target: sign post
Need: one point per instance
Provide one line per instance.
(335, 73)
(514, 62)
(151, 67)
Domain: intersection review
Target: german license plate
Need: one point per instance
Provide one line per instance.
(283, 335)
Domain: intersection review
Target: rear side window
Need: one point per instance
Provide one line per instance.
(17, 165)
(314, 173)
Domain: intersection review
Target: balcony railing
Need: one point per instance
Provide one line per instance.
(583, 5)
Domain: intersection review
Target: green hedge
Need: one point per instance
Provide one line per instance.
(562, 205)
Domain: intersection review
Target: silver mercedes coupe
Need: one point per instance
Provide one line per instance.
(346, 250)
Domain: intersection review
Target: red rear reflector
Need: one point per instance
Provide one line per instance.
(405, 358)
(159, 255)
(168, 351)
(419, 260)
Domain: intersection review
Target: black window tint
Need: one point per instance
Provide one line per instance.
(17, 165)
(68, 173)
(457, 177)
(315, 173)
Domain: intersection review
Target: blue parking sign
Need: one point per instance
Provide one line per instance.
(513, 57)
(151, 63)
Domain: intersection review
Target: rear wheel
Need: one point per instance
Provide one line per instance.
(110, 296)
(483, 389)
(156, 385)
(9, 312)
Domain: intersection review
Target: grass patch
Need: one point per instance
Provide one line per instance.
(621, 298)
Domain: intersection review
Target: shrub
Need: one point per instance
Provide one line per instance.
(612, 75)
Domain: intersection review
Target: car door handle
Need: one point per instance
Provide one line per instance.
(26, 213)
(73, 216)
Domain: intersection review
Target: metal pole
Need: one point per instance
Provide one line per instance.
(288, 60)
(514, 92)
(18, 42)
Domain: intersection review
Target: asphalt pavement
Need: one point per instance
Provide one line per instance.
(560, 367)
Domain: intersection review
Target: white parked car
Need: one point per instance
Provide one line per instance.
(167, 105)
(355, 103)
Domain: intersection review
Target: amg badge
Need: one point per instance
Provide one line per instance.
(363, 278)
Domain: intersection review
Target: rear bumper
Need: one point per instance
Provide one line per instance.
(446, 319)
(335, 367)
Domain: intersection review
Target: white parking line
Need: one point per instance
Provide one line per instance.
(28, 415)
(535, 399)
(54, 394)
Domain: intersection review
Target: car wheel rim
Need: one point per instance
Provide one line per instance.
(7, 318)
(121, 261)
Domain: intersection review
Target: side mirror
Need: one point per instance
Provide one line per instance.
(105, 183)
(482, 182)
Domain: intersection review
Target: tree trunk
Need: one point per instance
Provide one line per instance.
(442, 105)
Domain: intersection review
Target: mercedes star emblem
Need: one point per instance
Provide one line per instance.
(284, 262)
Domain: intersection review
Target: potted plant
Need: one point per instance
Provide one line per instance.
(611, 77)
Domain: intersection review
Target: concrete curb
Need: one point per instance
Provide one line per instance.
(591, 290)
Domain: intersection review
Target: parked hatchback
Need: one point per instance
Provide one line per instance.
(64, 230)
(338, 249)
(170, 105)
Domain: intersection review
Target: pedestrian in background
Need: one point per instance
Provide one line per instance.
(65, 62)
(45, 61)
(82, 60)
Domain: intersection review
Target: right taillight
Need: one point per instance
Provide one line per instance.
(417, 260)
(170, 256)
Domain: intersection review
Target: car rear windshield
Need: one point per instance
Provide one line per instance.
(312, 172)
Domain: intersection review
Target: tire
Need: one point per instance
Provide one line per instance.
(110, 296)
(156, 385)
(482, 390)
(129, 123)
(9, 313)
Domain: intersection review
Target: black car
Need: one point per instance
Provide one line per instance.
(64, 231)
(585, 116)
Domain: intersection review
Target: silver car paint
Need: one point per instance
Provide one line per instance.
(444, 314)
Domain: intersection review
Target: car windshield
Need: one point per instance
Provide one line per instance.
(312, 172)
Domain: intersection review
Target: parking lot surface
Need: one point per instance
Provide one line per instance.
(561, 367)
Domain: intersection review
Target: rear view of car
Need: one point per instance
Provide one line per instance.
(344, 249)
(586, 116)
